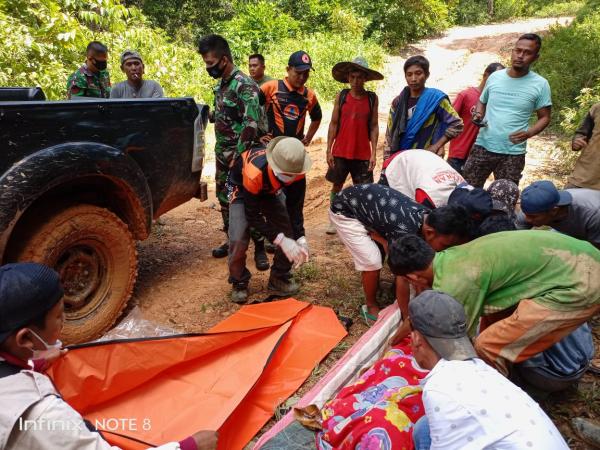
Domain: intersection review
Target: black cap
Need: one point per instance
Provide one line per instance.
(300, 61)
(27, 290)
(476, 200)
(442, 320)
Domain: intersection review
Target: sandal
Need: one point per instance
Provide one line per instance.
(369, 319)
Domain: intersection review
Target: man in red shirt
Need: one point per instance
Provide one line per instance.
(465, 104)
(353, 130)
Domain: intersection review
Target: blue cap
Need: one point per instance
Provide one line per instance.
(542, 196)
(27, 290)
(300, 61)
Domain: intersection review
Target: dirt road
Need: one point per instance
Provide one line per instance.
(182, 286)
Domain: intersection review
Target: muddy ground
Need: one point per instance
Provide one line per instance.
(180, 285)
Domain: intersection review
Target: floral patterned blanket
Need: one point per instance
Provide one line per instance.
(377, 411)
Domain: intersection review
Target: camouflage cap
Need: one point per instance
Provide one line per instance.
(505, 194)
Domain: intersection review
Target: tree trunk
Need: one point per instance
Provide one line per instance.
(490, 7)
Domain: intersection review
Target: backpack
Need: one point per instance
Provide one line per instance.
(343, 94)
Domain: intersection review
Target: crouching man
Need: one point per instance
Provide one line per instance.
(530, 288)
(256, 200)
(421, 175)
(31, 319)
(468, 404)
(365, 212)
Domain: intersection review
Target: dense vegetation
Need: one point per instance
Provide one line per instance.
(44, 40)
(570, 61)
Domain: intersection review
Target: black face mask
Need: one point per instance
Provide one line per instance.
(215, 71)
(100, 65)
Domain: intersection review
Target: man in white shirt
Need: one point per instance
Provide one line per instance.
(421, 175)
(468, 404)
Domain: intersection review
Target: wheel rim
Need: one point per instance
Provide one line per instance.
(82, 268)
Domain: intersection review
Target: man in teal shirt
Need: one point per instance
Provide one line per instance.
(503, 112)
(530, 288)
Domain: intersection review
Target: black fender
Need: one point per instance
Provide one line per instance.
(39, 173)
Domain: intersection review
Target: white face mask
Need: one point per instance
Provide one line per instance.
(285, 179)
(50, 351)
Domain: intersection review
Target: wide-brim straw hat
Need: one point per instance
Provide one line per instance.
(287, 155)
(341, 70)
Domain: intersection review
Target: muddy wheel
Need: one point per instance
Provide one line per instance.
(95, 256)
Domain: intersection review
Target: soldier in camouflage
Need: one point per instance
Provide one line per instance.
(237, 113)
(92, 79)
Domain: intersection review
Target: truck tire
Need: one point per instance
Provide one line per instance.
(95, 255)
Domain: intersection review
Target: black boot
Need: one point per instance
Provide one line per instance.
(281, 287)
(260, 257)
(221, 251)
(270, 248)
(239, 294)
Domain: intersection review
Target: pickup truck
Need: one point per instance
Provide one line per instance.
(80, 182)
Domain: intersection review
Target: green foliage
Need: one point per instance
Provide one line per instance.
(470, 12)
(44, 42)
(258, 26)
(262, 27)
(186, 19)
(347, 22)
(556, 9)
(397, 23)
(590, 7)
(573, 117)
(325, 49)
(570, 61)
(506, 9)
(312, 15)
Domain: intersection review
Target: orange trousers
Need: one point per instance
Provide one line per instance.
(529, 330)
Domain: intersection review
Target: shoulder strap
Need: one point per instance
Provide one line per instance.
(343, 96)
(342, 100)
(372, 96)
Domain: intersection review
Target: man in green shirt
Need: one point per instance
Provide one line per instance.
(92, 78)
(531, 288)
(256, 69)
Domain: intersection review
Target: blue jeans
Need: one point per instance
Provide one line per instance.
(421, 436)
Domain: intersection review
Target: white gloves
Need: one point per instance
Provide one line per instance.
(304, 244)
(295, 253)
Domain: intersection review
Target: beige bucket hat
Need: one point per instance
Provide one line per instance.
(288, 155)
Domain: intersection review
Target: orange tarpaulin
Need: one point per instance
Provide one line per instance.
(158, 390)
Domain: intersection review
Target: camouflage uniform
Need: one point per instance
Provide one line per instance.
(84, 83)
(237, 113)
(481, 163)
